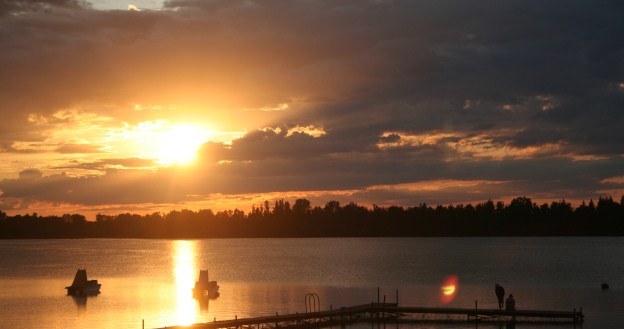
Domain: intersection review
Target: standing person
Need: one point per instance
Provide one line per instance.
(511, 303)
(500, 294)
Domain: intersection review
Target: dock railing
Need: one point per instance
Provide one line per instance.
(390, 312)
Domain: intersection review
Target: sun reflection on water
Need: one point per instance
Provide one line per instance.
(184, 271)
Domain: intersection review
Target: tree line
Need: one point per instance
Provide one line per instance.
(520, 217)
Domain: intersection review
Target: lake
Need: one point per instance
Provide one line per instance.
(151, 280)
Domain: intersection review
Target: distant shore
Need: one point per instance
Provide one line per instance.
(519, 218)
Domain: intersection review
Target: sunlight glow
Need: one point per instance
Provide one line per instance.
(168, 144)
(310, 130)
(469, 146)
(184, 272)
(179, 144)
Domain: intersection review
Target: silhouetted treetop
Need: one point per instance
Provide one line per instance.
(520, 217)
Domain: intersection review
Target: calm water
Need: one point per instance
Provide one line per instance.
(152, 279)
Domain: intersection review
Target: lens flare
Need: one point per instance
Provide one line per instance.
(449, 289)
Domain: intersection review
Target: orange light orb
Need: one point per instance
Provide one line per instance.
(449, 289)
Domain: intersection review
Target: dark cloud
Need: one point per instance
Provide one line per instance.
(541, 177)
(17, 7)
(105, 164)
(124, 187)
(78, 148)
(391, 138)
(30, 174)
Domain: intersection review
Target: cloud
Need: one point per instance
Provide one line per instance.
(310, 130)
(78, 148)
(107, 164)
(16, 7)
(342, 96)
(30, 174)
(618, 180)
(367, 174)
(115, 187)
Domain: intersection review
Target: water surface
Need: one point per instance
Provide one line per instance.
(151, 280)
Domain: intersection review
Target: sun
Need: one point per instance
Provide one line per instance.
(178, 144)
(166, 143)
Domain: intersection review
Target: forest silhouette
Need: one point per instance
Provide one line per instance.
(521, 217)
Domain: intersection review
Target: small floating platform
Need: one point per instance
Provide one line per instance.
(204, 287)
(391, 313)
(83, 287)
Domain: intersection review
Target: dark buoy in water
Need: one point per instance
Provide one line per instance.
(604, 286)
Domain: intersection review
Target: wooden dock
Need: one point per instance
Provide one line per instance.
(390, 313)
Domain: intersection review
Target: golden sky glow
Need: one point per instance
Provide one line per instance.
(160, 105)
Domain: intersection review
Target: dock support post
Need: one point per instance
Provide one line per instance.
(476, 311)
(377, 294)
(577, 317)
(397, 313)
(581, 315)
(383, 313)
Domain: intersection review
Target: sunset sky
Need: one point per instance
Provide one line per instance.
(113, 106)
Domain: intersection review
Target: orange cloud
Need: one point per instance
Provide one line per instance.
(614, 180)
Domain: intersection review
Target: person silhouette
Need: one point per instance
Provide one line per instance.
(511, 303)
(511, 306)
(500, 295)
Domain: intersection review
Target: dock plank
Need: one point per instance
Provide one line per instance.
(388, 312)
